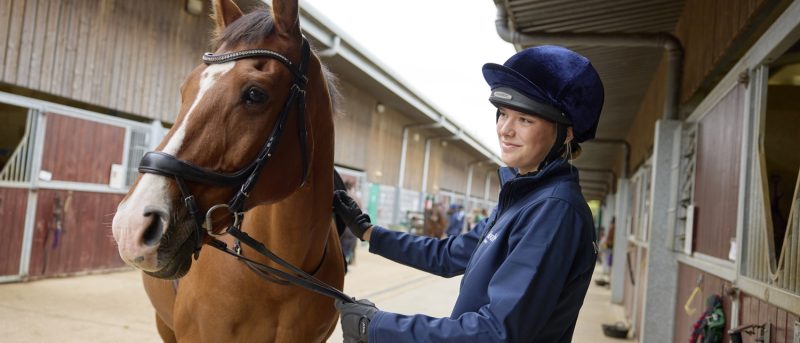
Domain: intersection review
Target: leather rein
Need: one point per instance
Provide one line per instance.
(160, 163)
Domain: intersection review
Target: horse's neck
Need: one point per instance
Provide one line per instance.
(298, 227)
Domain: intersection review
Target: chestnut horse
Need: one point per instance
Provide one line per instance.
(261, 86)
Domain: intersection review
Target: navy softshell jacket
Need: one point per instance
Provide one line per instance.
(526, 280)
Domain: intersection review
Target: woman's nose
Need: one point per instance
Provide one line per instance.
(505, 127)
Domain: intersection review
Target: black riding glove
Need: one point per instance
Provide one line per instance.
(346, 208)
(355, 319)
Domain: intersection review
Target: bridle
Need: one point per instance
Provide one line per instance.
(160, 163)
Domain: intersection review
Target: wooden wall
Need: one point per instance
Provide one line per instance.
(13, 204)
(714, 34)
(385, 142)
(80, 150)
(85, 241)
(352, 126)
(752, 309)
(415, 158)
(372, 141)
(129, 56)
(709, 284)
(708, 30)
(453, 163)
(717, 175)
(756, 311)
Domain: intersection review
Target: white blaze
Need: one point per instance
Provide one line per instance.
(207, 80)
(151, 189)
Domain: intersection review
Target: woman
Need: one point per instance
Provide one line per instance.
(527, 266)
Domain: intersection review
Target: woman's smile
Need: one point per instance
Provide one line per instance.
(509, 147)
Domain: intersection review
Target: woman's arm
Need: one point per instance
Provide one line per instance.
(443, 257)
(539, 283)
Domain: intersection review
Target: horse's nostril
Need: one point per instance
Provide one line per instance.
(154, 231)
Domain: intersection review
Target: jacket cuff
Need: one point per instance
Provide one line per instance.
(372, 330)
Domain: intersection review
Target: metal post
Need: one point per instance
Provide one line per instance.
(402, 175)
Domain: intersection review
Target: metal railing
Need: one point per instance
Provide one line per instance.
(20, 164)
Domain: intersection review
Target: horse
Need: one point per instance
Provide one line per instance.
(220, 166)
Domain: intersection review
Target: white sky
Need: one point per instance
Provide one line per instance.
(437, 47)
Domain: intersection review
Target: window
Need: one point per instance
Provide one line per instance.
(686, 192)
(16, 143)
(138, 144)
(772, 222)
(779, 138)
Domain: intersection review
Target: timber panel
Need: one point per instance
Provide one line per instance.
(383, 151)
(709, 284)
(352, 127)
(717, 175)
(85, 242)
(13, 205)
(415, 158)
(709, 30)
(714, 35)
(453, 168)
(756, 311)
(80, 150)
(130, 56)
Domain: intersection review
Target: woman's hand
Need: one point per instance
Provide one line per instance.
(346, 208)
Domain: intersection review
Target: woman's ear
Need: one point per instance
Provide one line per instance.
(569, 135)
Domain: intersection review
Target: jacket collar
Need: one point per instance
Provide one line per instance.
(559, 166)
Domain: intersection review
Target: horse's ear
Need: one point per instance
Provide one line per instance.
(225, 12)
(285, 14)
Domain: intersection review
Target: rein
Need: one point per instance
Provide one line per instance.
(160, 163)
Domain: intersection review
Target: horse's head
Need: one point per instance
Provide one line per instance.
(236, 106)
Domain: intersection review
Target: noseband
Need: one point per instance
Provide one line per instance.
(160, 163)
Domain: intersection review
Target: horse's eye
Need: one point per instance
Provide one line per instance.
(254, 95)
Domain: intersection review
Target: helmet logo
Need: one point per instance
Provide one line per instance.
(502, 95)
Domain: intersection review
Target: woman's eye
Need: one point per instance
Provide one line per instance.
(253, 95)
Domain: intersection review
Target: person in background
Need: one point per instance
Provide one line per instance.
(527, 267)
(435, 221)
(607, 246)
(456, 221)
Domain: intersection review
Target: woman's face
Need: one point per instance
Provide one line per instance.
(524, 139)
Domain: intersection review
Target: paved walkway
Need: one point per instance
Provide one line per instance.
(113, 307)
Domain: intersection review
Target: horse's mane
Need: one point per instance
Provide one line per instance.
(255, 27)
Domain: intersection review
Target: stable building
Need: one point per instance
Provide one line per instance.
(86, 88)
(696, 159)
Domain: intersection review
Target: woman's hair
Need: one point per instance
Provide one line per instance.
(570, 151)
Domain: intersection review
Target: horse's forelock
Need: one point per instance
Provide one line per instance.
(251, 28)
(257, 26)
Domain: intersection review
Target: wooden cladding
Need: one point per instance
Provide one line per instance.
(714, 35)
(130, 56)
(13, 204)
(72, 233)
(708, 30)
(79, 150)
(756, 311)
(717, 175)
(688, 279)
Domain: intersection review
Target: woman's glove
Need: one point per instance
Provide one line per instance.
(346, 208)
(355, 319)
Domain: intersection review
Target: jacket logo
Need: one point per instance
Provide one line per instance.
(490, 237)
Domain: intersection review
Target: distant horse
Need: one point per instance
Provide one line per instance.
(262, 86)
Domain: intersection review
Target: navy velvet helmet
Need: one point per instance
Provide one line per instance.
(552, 82)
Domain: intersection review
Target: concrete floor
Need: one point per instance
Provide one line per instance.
(113, 307)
